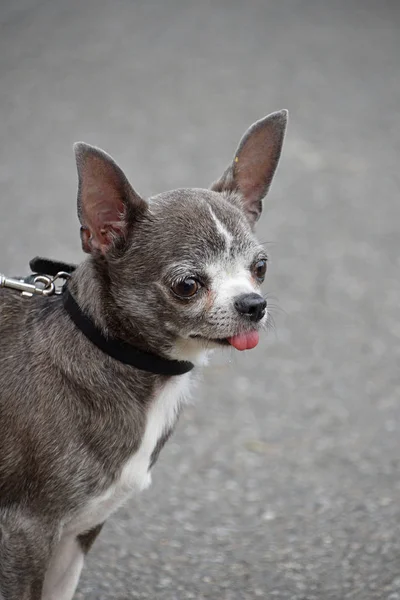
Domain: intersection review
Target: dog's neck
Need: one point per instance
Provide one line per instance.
(90, 287)
(86, 290)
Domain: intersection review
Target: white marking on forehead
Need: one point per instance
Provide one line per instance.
(222, 230)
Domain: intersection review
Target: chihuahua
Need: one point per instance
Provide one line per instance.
(93, 379)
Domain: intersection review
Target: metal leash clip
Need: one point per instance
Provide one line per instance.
(42, 285)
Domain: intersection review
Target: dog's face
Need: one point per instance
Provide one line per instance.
(184, 268)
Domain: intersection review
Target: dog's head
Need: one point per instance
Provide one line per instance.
(182, 271)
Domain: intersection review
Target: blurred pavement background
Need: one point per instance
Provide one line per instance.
(282, 480)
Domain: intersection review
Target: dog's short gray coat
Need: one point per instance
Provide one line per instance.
(79, 430)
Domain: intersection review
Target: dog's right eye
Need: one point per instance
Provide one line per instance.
(187, 288)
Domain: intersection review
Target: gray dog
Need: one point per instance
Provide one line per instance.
(93, 380)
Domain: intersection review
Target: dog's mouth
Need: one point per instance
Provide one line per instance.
(241, 341)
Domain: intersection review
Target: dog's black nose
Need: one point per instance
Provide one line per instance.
(252, 305)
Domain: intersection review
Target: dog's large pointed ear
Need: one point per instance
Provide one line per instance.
(107, 204)
(255, 162)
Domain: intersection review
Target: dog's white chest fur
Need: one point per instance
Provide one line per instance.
(135, 475)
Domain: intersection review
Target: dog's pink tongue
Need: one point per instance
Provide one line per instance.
(244, 341)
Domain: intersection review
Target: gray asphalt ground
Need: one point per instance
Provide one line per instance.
(282, 480)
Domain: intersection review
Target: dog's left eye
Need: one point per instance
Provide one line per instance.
(187, 288)
(260, 269)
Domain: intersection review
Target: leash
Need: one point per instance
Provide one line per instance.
(43, 282)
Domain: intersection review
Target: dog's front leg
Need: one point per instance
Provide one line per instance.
(25, 548)
(64, 570)
(66, 564)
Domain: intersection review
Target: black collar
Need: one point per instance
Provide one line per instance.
(120, 350)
